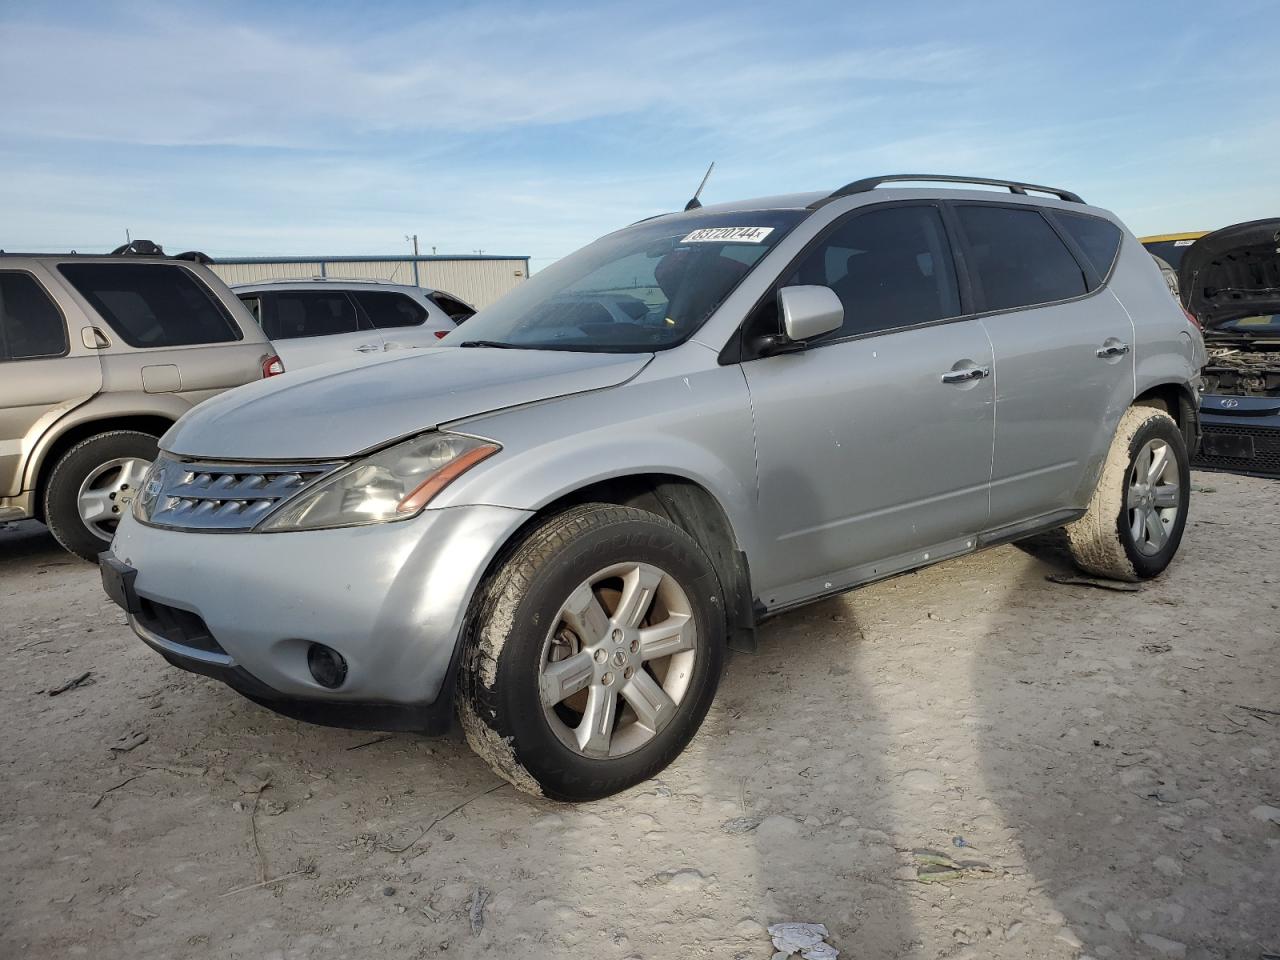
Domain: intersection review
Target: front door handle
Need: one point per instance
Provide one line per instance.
(368, 348)
(964, 376)
(1112, 348)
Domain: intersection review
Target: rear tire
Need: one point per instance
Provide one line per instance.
(1136, 517)
(92, 487)
(603, 613)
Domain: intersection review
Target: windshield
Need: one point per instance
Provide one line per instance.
(647, 287)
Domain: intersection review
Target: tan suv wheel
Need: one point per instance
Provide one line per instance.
(93, 485)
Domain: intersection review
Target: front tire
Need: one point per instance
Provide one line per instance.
(92, 486)
(1136, 517)
(594, 653)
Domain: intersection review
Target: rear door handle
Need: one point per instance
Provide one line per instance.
(1112, 348)
(368, 348)
(964, 376)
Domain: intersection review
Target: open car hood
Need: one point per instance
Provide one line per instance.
(1232, 273)
(335, 411)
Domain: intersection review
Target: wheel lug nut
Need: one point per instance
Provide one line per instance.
(617, 636)
(627, 673)
(635, 646)
(601, 656)
(607, 679)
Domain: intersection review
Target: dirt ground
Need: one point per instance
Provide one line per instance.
(1089, 747)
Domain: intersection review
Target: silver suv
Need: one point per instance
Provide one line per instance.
(327, 319)
(696, 422)
(99, 355)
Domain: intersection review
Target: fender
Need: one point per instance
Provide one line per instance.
(104, 407)
(619, 434)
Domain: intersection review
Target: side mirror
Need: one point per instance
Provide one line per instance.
(809, 311)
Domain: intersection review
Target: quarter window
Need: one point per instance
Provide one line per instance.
(1017, 258)
(294, 314)
(30, 325)
(456, 309)
(153, 304)
(385, 309)
(891, 268)
(1099, 239)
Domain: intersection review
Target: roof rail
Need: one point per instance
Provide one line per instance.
(1014, 186)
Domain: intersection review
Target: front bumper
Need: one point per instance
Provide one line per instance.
(1240, 435)
(245, 608)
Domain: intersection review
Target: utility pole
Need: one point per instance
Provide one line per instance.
(414, 239)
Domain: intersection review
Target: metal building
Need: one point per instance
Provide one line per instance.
(477, 279)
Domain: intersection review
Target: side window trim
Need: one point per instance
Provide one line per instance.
(53, 301)
(975, 282)
(364, 323)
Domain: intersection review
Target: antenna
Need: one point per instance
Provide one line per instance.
(694, 203)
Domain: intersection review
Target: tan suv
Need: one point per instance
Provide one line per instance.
(99, 355)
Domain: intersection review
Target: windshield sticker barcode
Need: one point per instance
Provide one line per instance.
(728, 235)
(1183, 243)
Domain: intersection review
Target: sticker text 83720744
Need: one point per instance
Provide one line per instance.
(728, 235)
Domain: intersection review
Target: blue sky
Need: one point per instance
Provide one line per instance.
(283, 128)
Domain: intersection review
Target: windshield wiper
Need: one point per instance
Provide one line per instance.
(498, 344)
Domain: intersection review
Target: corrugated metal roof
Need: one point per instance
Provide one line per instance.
(349, 259)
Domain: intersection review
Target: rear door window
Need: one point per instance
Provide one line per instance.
(153, 304)
(294, 314)
(1015, 257)
(385, 309)
(1098, 239)
(891, 268)
(31, 326)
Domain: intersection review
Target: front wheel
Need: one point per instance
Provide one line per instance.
(93, 485)
(594, 654)
(1137, 514)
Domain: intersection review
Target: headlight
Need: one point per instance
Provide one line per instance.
(395, 484)
(149, 490)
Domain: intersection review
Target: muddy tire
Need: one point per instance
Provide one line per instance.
(1138, 511)
(593, 653)
(92, 486)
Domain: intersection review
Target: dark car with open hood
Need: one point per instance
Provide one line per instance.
(1230, 281)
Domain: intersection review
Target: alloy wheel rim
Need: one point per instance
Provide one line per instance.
(107, 493)
(1153, 498)
(618, 660)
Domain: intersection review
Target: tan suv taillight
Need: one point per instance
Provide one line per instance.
(273, 366)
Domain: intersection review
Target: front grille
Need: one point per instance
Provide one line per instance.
(196, 495)
(1218, 455)
(176, 625)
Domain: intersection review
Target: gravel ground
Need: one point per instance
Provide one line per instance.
(1088, 746)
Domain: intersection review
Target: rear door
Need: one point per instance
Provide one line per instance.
(874, 444)
(1063, 350)
(316, 326)
(43, 371)
(163, 328)
(402, 322)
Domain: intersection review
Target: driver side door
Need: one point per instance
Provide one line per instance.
(873, 444)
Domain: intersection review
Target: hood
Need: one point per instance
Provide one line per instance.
(331, 411)
(1232, 273)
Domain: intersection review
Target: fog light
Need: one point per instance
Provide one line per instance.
(327, 666)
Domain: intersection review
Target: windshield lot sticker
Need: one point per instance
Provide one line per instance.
(728, 235)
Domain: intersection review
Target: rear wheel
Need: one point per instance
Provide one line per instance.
(93, 485)
(1138, 512)
(594, 655)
